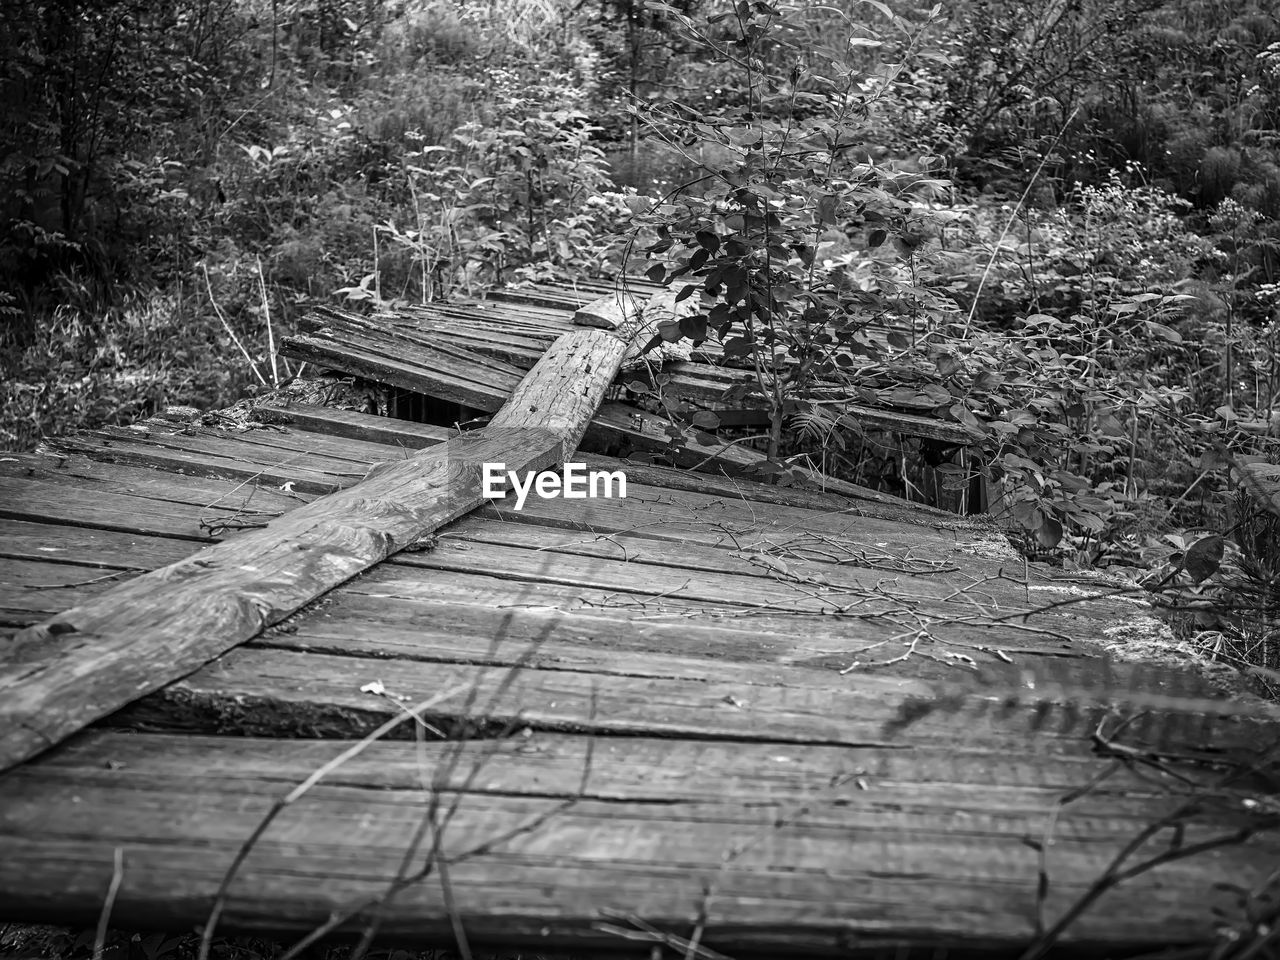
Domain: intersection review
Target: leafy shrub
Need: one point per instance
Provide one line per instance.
(85, 369)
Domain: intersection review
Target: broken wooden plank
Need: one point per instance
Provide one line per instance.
(410, 369)
(342, 423)
(442, 363)
(706, 385)
(350, 424)
(610, 312)
(92, 659)
(616, 426)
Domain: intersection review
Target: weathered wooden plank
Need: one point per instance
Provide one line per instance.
(632, 768)
(443, 330)
(720, 520)
(611, 565)
(847, 863)
(259, 442)
(610, 311)
(627, 561)
(565, 402)
(64, 501)
(301, 472)
(401, 365)
(476, 358)
(350, 424)
(264, 690)
(920, 810)
(32, 590)
(268, 443)
(466, 618)
(480, 609)
(862, 500)
(270, 691)
(579, 903)
(95, 657)
(60, 543)
(943, 636)
(160, 485)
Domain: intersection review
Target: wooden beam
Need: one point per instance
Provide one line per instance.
(610, 312)
(578, 369)
(80, 665)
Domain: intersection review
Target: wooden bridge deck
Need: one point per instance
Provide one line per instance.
(690, 714)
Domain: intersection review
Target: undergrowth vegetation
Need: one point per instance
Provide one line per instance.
(1053, 226)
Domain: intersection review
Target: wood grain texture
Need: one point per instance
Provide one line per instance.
(94, 658)
(350, 424)
(613, 311)
(303, 472)
(665, 645)
(850, 496)
(106, 549)
(87, 474)
(65, 501)
(89, 660)
(577, 371)
(471, 356)
(806, 851)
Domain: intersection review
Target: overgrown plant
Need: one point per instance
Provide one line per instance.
(497, 199)
(1062, 393)
(748, 233)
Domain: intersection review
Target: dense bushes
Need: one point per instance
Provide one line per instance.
(1107, 358)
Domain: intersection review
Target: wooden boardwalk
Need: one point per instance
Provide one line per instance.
(713, 711)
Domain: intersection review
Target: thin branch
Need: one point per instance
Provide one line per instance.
(227, 327)
(220, 899)
(104, 918)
